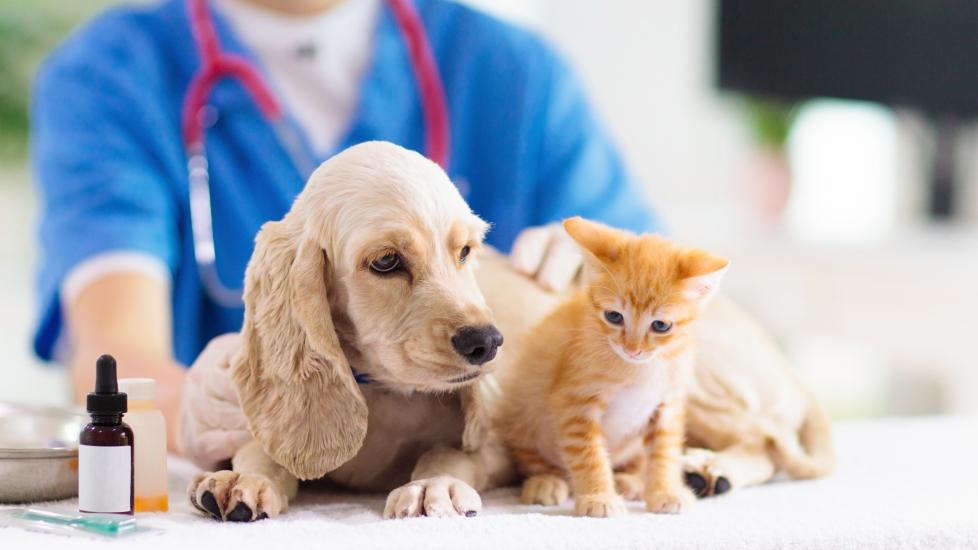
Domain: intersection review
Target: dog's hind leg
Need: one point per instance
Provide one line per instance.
(711, 473)
(256, 488)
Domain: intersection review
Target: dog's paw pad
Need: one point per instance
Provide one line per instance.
(209, 503)
(698, 484)
(721, 486)
(241, 512)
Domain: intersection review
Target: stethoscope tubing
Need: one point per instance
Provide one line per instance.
(216, 64)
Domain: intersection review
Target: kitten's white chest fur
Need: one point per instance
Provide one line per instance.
(631, 406)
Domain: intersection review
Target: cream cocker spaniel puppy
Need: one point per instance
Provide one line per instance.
(365, 347)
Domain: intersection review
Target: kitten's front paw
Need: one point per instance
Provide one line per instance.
(546, 489)
(674, 501)
(629, 486)
(600, 505)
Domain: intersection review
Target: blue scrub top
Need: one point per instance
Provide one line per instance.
(111, 168)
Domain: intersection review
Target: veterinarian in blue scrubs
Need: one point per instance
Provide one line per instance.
(118, 269)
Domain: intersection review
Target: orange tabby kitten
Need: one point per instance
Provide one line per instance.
(599, 394)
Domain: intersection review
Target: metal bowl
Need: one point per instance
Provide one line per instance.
(38, 452)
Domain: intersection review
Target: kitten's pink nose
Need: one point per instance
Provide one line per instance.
(633, 352)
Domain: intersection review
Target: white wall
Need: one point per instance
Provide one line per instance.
(647, 66)
(649, 70)
(22, 377)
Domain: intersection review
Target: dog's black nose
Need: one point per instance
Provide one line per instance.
(477, 344)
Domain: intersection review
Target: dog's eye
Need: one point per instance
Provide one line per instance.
(661, 327)
(464, 254)
(386, 264)
(613, 317)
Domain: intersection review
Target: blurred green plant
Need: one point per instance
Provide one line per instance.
(771, 120)
(29, 29)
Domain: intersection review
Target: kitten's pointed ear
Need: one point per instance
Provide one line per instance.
(701, 273)
(603, 242)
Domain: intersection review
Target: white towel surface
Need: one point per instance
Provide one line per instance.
(900, 483)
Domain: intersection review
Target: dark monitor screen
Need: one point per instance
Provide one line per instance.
(919, 53)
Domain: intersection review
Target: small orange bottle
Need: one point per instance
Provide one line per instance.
(149, 428)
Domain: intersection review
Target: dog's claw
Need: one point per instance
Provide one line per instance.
(209, 503)
(697, 483)
(241, 512)
(722, 486)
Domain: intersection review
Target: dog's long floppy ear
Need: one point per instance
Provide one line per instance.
(293, 380)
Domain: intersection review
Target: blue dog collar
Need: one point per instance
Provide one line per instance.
(361, 377)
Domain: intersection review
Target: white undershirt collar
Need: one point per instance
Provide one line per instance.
(314, 63)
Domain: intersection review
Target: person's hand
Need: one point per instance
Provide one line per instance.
(213, 426)
(549, 255)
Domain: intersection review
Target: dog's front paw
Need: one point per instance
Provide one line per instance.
(671, 501)
(629, 486)
(600, 505)
(434, 497)
(546, 489)
(703, 475)
(233, 496)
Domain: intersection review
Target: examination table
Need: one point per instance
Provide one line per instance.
(900, 483)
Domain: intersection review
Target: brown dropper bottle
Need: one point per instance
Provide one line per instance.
(105, 469)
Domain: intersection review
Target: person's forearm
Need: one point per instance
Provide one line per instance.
(134, 364)
(128, 316)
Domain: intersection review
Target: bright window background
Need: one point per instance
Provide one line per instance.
(844, 160)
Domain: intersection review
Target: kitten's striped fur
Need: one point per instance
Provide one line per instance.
(603, 403)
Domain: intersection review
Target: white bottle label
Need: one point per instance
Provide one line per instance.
(104, 478)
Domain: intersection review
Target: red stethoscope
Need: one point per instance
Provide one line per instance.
(217, 64)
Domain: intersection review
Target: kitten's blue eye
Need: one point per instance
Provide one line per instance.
(661, 326)
(613, 317)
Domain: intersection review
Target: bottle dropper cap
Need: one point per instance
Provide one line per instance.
(106, 399)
